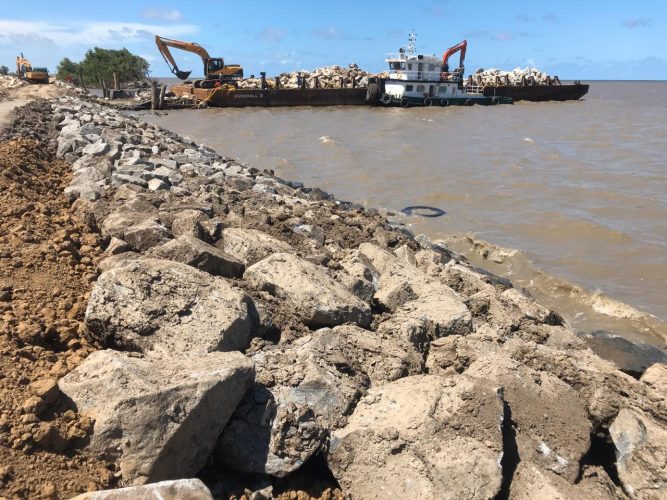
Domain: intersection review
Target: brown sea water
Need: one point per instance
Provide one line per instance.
(578, 188)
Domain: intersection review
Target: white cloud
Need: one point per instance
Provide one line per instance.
(90, 33)
(272, 35)
(328, 33)
(162, 14)
(636, 22)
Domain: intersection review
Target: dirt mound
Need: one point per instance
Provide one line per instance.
(47, 264)
(30, 121)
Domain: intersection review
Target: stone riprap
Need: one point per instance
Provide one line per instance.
(430, 378)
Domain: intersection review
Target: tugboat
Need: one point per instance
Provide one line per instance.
(425, 80)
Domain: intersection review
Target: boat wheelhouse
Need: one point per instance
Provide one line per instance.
(426, 80)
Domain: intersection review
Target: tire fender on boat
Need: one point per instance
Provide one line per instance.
(386, 98)
(444, 102)
(468, 102)
(428, 101)
(405, 103)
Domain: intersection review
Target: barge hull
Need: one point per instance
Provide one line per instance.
(539, 92)
(240, 98)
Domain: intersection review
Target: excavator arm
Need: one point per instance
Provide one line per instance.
(453, 50)
(163, 45)
(22, 66)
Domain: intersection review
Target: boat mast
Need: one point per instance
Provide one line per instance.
(412, 42)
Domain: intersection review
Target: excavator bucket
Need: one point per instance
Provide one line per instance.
(183, 75)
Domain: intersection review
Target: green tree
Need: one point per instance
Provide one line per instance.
(4, 70)
(67, 70)
(103, 63)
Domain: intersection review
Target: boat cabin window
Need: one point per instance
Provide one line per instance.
(408, 88)
(431, 67)
(409, 65)
(443, 89)
(395, 65)
(420, 88)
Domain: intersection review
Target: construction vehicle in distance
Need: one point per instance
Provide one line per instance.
(216, 72)
(25, 71)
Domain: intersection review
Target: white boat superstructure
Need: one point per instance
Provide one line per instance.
(418, 79)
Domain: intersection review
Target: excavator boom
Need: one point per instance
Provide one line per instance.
(453, 50)
(163, 45)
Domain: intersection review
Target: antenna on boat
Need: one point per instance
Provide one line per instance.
(412, 42)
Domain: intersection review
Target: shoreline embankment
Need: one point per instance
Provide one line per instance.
(240, 328)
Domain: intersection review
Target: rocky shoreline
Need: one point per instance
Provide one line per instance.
(243, 329)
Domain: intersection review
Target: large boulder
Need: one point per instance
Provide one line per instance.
(550, 418)
(531, 481)
(250, 245)
(399, 280)
(181, 489)
(147, 234)
(160, 305)
(194, 252)
(303, 392)
(158, 416)
(425, 437)
(419, 321)
(641, 451)
(314, 295)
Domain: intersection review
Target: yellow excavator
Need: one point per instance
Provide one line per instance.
(216, 72)
(25, 71)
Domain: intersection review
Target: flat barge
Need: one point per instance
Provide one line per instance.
(538, 93)
(230, 97)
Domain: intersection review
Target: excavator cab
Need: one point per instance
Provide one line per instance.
(217, 69)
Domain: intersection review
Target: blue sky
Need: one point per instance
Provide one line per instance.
(613, 39)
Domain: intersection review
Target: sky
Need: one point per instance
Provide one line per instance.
(574, 39)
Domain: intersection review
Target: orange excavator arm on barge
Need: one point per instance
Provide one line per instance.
(453, 50)
(214, 67)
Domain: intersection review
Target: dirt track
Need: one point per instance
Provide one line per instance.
(12, 98)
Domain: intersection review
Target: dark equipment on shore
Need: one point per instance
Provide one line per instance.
(423, 211)
(215, 69)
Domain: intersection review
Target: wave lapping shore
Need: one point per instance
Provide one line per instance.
(246, 329)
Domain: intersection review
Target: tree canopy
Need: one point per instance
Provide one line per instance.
(103, 63)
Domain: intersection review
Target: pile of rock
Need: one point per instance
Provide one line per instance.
(10, 82)
(328, 77)
(254, 324)
(518, 76)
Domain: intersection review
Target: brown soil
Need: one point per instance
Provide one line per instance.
(47, 264)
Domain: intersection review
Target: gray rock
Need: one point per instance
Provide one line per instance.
(96, 149)
(117, 246)
(147, 234)
(120, 179)
(194, 252)
(116, 223)
(250, 245)
(313, 294)
(424, 437)
(540, 403)
(303, 392)
(180, 489)
(419, 321)
(84, 191)
(158, 416)
(157, 185)
(641, 451)
(189, 222)
(170, 307)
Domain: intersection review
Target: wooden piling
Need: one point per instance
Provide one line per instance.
(163, 93)
(154, 96)
(116, 84)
